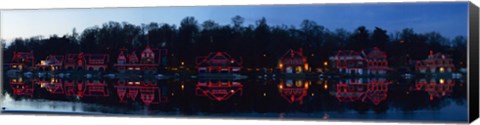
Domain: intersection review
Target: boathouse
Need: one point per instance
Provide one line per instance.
(293, 62)
(22, 60)
(51, 63)
(435, 63)
(376, 60)
(97, 62)
(349, 62)
(148, 61)
(74, 61)
(218, 62)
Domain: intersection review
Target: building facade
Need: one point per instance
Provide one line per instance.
(293, 62)
(218, 62)
(51, 63)
(366, 62)
(349, 62)
(149, 60)
(97, 62)
(435, 63)
(74, 61)
(22, 60)
(376, 60)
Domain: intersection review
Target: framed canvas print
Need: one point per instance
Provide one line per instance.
(390, 62)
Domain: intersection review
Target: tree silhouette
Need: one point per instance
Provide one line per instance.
(260, 45)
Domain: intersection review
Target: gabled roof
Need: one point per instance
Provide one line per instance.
(374, 53)
(147, 49)
(132, 57)
(349, 53)
(218, 91)
(17, 56)
(294, 94)
(97, 58)
(73, 57)
(121, 56)
(294, 54)
(54, 60)
(217, 58)
(376, 97)
(438, 55)
(349, 92)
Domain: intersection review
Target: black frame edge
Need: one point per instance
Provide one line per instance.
(473, 66)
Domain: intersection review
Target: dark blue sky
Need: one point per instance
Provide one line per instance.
(450, 19)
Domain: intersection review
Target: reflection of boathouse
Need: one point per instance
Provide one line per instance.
(377, 90)
(21, 87)
(436, 88)
(52, 85)
(352, 90)
(293, 90)
(74, 88)
(86, 88)
(219, 62)
(149, 92)
(435, 63)
(293, 62)
(218, 90)
(349, 91)
(22, 60)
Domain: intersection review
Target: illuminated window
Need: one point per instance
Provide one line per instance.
(298, 69)
(298, 83)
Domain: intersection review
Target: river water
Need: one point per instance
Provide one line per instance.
(418, 99)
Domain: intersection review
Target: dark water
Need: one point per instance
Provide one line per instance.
(419, 99)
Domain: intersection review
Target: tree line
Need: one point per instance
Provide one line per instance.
(259, 44)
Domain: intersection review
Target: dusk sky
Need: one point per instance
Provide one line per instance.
(450, 19)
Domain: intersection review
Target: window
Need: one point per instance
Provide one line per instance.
(298, 69)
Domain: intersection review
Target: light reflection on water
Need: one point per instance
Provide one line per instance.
(366, 98)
